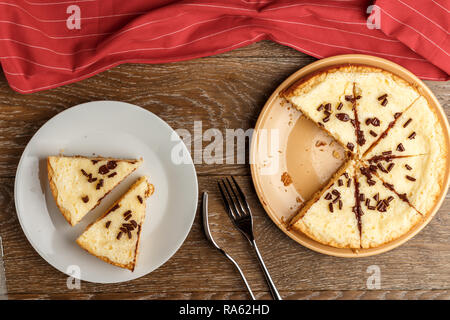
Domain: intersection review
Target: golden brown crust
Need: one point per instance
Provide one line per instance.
(64, 211)
(130, 266)
(309, 81)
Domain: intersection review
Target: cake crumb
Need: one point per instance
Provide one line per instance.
(286, 179)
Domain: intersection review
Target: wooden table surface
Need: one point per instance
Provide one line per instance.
(224, 91)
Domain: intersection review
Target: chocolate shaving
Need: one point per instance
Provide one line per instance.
(410, 178)
(111, 164)
(320, 108)
(340, 105)
(103, 169)
(107, 224)
(400, 147)
(350, 146)
(328, 196)
(112, 174)
(85, 199)
(384, 103)
(408, 167)
(412, 135)
(407, 122)
(373, 133)
(343, 117)
(382, 97)
(139, 198)
(390, 166)
(119, 235)
(99, 184)
(330, 207)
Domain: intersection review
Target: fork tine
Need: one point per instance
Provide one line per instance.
(243, 197)
(244, 213)
(233, 201)
(227, 203)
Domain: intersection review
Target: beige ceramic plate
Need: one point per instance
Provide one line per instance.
(284, 141)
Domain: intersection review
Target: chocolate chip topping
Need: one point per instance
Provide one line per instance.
(328, 107)
(340, 183)
(119, 235)
(350, 146)
(107, 224)
(85, 199)
(94, 161)
(129, 234)
(397, 115)
(384, 103)
(112, 174)
(400, 147)
(407, 122)
(103, 169)
(382, 97)
(126, 213)
(340, 105)
(340, 204)
(111, 164)
(99, 184)
(84, 173)
(375, 122)
(412, 135)
(410, 178)
(139, 198)
(390, 166)
(408, 167)
(320, 108)
(343, 117)
(330, 207)
(134, 223)
(373, 134)
(328, 196)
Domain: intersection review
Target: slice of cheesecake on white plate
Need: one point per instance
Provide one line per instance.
(78, 184)
(329, 216)
(114, 237)
(385, 214)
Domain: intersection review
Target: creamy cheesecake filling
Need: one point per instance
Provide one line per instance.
(114, 237)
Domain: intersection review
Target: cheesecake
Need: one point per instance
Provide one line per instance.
(396, 156)
(78, 184)
(114, 237)
(328, 216)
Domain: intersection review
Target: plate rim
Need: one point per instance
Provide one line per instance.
(308, 70)
(54, 118)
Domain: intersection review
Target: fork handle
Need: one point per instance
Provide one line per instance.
(272, 288)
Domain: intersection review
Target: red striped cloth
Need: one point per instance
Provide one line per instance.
(41, 46)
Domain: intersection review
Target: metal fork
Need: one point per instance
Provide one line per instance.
(240, 214)
(211, 240)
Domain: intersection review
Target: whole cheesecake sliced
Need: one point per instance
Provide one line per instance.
(385, 214)
(114, 237)
(410, 176)
(329, 216)
(78, 184)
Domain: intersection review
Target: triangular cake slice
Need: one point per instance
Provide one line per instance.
(321, 98)
(385, 214)
(384, 97)
(78, 184)
(329, 216)
(412, 176)
(417, 131)
(114, 237)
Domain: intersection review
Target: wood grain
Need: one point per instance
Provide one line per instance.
(224, 91)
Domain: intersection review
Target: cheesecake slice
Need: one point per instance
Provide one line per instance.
(321, 98)
(411, 176)
(329, 216)
(385, 214)
(114, 237)
(417, 131)
(78, 184)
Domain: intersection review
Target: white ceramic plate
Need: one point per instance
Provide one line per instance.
(109, 129)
